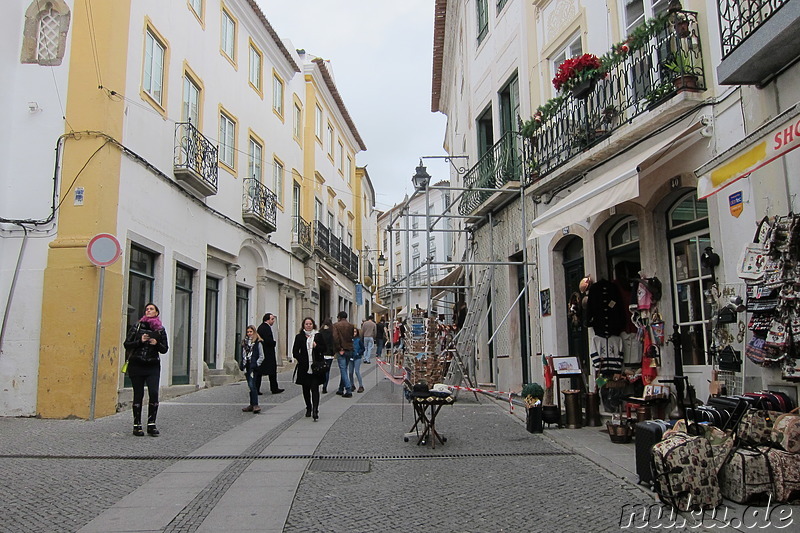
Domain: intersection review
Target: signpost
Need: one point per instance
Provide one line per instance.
(103, 250)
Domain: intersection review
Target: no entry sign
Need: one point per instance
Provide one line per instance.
(103, 250)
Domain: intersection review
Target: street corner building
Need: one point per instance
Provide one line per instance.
(222, 160)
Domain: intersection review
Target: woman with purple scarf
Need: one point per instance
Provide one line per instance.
(145, 341)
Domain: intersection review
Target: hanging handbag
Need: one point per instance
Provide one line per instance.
(729, 359)
(756, 350)
(657, 334)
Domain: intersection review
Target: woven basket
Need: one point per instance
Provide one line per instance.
(619, 433)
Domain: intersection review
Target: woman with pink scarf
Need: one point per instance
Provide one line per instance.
(145, 341)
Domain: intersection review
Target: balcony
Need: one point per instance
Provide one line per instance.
(195, 160)
(645, 89)
(259, 206)
(335, 251)
(758, 39)
(301, 237)
(502, 166)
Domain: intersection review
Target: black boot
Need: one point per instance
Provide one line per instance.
(152, 411)
(316, 414)
(308, 412)
(137, 420)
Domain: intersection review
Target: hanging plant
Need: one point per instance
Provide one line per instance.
(578, 69)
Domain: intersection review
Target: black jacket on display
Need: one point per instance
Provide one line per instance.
(605, 310)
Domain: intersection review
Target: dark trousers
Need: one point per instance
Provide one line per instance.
(139, 381)
(273, 380)
(311, 395)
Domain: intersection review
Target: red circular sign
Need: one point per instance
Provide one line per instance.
(103, 250)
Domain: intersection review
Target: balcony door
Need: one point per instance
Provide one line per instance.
(182, 336)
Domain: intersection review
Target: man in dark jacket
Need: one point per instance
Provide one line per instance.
(270, 365)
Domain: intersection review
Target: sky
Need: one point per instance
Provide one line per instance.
(381, 55)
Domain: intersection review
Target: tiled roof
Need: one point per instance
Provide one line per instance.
(440, 15)
(274, 35)
(326, 75)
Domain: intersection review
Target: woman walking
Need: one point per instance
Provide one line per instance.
(252, 357)
(358, 354)
(309, 349)
(145, 341)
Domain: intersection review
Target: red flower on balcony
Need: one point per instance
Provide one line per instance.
(577, 69)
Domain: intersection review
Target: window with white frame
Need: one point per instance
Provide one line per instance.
(197, 7)
(297, 122)
(318, 122)
(227, 139)
(331, 221)
(190, 105)
(636, 12)
(153, 79)
(277, 179)
(571, 48)
(277, 94)
(340, 157)
(329, 141)
(228, 35)
(482, 12)
(255, 159)
(256, 62)
(348, 169)
(341, 231)
(689, 237)
(317, 209)
(47, 36)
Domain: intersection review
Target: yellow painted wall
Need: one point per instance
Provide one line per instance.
(69, 307)
(310, 146)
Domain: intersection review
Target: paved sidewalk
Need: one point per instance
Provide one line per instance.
(216, 468)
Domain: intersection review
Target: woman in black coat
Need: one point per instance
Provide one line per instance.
(146, 340)
(308, 348)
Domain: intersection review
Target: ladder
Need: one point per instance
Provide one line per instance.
(463, 344)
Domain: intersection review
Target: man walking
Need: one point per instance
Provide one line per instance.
(270, 365)
(368, 329)
(343, 346)
(380, 336)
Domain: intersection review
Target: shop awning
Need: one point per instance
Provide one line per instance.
(446, 282)
(378, 308)
(603, 191)
(335, 279)
(774, 139)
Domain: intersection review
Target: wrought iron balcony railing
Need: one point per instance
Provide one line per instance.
(195, 159)
(738, 19)
(504, 162)
(671, 62)
(259, 205)
(335, 250)
(301, 236)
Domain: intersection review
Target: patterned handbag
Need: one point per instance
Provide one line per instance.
(786, 470)
(786, 431)
(756, 426)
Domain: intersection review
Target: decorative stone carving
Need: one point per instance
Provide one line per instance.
(44, 37)
(561, 14)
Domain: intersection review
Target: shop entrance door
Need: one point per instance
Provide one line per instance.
(577, 337)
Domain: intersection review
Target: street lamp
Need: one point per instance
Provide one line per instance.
(421, 179)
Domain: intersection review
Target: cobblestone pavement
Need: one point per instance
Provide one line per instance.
(491, 475)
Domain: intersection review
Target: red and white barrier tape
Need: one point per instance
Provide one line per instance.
(397, 380)
(497, 392)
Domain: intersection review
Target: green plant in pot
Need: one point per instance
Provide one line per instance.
(683, 71)
(532, 394)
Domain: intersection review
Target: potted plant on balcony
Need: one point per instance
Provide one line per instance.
(532, 394)
(579, 75)
(682, 67)
(659, 93)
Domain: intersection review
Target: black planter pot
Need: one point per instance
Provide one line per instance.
(533, 420)
(551, 414)
(584, 88)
